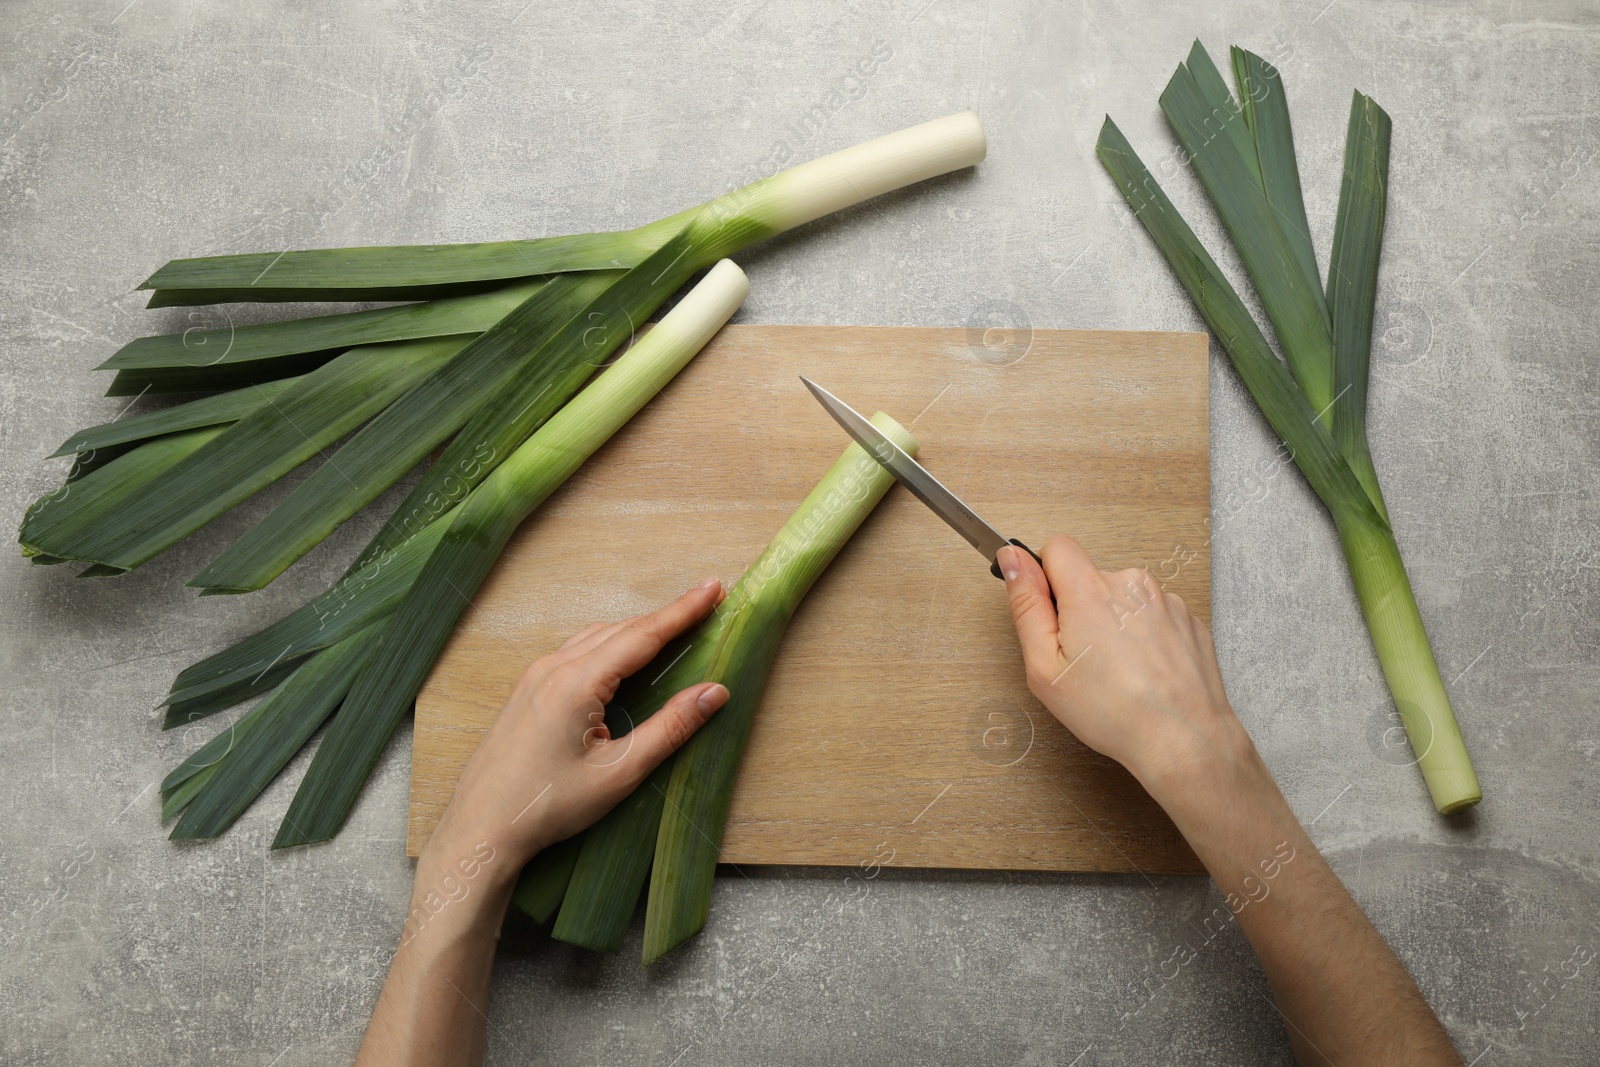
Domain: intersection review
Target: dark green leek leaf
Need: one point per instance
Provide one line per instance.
(612, 867)
(526, 345)
(105, 489)
(162, 381)
(1275, 392)
(1266, 109)
(258, 349)
(1296, 309)
(402, 272)
(86, 463)
(358, 599)
(221, 697)
(292, 714)
(1226, 117)
(543, 881)
(243, 459)
(187, 779)
(1353, 280)
(210, 411)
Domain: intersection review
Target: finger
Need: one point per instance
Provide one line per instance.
(1074, 577)
(1208, 652)
(582, 635)
(1178, 611)
(664, 733)
(635, 642)
(586, 641)
(1031, 609)
(596, 633)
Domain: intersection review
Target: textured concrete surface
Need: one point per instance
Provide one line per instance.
(133, 132)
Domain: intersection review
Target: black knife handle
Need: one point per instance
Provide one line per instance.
(994, 568)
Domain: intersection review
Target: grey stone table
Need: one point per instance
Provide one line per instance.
(133, 131)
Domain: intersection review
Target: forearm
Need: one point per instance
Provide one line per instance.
(547, 769)
(1152, 698)
(434, 1003)
(1344, 996)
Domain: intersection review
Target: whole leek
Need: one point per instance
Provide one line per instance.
(1316, 398)
(770, 205)
(537, 339)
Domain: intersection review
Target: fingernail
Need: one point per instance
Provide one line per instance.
(1008, 563)
(708, 583)
(712, 698)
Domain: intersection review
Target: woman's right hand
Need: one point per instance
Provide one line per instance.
(1124, 666)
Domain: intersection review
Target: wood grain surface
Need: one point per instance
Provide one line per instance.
(896, 728)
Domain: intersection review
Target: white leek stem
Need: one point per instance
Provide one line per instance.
(1408, 664)
(843, 179)
(550, 456)
(878, 166)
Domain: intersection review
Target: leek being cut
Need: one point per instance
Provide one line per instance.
(670, 828)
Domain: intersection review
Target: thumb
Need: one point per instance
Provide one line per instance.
(664, 733)
(1073, 574)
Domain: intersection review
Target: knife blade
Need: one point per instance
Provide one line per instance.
(915, 477)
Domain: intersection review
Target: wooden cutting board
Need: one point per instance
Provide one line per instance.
(896, 728)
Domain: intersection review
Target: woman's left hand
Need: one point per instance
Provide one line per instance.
(548, 767)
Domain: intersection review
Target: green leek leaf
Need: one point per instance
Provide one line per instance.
(405, 272)
(282, 723)
(221, 697)
(210, 411)
(1353, 281)
(241, 460)
(1295, 308)
(364, 596)
(518, 345)
(217, 356)
(185, 780)
(1264, 375)
(1226, 116)
(1266, 110)
(543, 881)
(105, 489)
